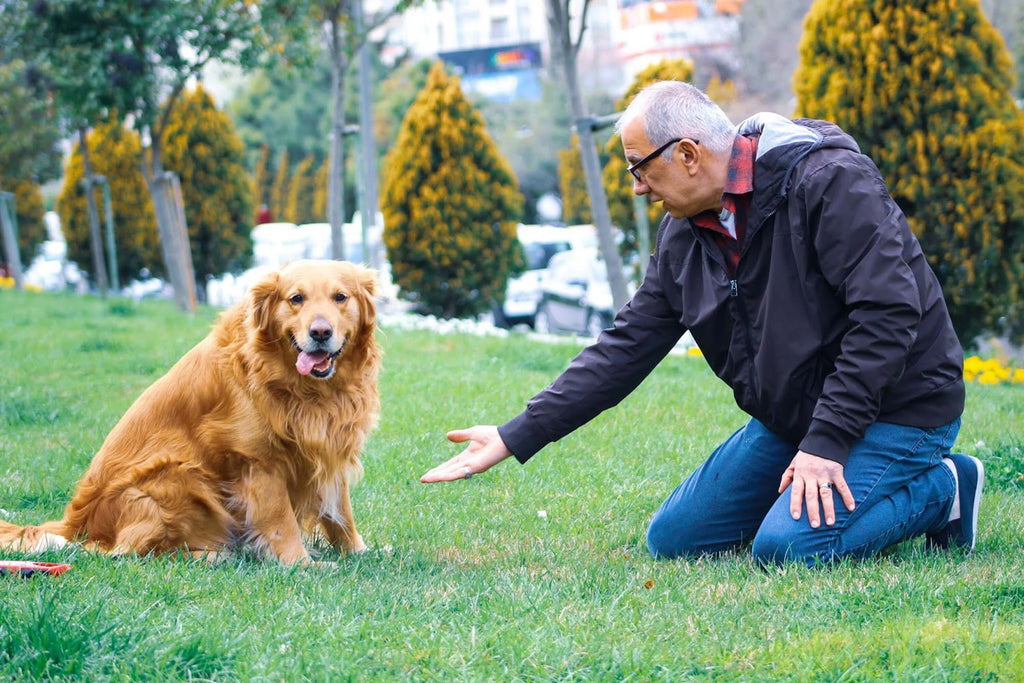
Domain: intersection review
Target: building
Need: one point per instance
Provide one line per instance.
(705, 31)
(500, 48)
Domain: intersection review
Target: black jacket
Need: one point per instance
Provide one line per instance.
(834, 320)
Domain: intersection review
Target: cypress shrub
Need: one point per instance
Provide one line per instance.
(925, 88)
(201, 146)
(450, 205)
(114, 151)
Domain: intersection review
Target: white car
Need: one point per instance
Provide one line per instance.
(540, 244)
(575, 296)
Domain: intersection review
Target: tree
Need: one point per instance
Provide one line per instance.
(623, 205)
(279, 190)
(116, 150)
(29, 131)
(320, 192)
(924, 87)
(346, 30)
(28, 201)
(572, 185)
(450, 205)
(565, 47)
(262, 181)
(288, 106)
(302, 192)
(201, 146)
(137, 58)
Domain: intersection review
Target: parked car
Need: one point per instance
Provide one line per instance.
(540, 244)
(575, 296)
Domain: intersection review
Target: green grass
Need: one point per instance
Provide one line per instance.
(465, 581)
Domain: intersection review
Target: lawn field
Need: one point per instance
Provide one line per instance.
(535, 572)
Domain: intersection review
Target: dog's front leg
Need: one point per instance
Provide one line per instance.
(270, 519)
(340, 525)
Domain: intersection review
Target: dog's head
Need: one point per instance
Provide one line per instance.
(322, 310)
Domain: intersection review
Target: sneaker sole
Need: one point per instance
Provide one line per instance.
(977, 500)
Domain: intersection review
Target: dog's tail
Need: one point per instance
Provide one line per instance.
(33, 539)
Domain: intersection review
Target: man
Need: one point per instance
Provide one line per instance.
(798, 276)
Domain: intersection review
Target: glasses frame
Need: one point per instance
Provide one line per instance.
(634, 169)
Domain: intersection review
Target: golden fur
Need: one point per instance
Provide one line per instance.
(253, 436)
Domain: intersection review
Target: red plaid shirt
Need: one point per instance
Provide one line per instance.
(739, 186)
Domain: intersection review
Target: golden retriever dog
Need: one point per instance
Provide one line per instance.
(251, 438)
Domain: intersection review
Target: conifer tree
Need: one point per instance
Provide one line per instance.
(302, 192)
(320, 192)
(115, 152)
(262, 181)
(573, 187)
(28, 204)
(450, 205)
(201, 146)
(618, 183)
(279, 190)
(925, 89)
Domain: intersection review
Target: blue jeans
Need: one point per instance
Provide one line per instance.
(899, 484)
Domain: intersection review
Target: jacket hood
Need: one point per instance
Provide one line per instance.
(784, 142)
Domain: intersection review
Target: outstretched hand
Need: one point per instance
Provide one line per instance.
(485, 450)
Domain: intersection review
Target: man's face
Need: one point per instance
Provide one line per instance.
(670, 178)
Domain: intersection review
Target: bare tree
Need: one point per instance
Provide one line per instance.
(346, 30)
(565, 45)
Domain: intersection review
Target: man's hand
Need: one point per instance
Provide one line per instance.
(815, 479)
(485, 450)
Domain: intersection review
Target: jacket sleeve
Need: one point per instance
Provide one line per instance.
(602, 374)
(860, 237)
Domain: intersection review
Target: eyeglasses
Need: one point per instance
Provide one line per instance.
(635, 168)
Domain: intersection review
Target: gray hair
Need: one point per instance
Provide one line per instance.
(671, 109)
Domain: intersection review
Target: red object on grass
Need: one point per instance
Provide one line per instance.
(25, 569)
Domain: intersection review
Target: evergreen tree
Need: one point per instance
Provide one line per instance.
(571, 185)
(618, 183)
(201, 146)
(450, 205)
(925, 88)
(28, 205)
(115, 152)
(302, 193)
(320, 192)
(279, 190)
(262, 181)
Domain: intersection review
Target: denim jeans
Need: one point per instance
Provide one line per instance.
(900, 486)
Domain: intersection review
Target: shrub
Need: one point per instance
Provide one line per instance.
(450, 205)
(925, 88)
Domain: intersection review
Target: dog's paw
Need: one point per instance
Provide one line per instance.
(42, 543)
(359, 546)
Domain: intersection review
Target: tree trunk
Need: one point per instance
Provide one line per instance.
(565, 51)
(368, 208)
(170, 223)
(336, 169)
(95, 237)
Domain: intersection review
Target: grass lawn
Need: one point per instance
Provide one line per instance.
(467, 581)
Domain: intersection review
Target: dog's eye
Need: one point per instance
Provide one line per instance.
(296, 299)
(341, 298)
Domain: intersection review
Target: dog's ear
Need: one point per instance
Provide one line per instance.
(263, 297)
(367, 306)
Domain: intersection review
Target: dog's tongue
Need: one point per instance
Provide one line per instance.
(307, 361)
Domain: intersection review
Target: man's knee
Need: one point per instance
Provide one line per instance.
(775, 547)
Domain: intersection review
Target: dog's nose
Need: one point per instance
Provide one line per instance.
(320, 330)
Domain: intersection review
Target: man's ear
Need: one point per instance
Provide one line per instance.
(690, 154)
(263, 297)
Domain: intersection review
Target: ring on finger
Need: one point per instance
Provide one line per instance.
(468, 473)
(825, 486)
